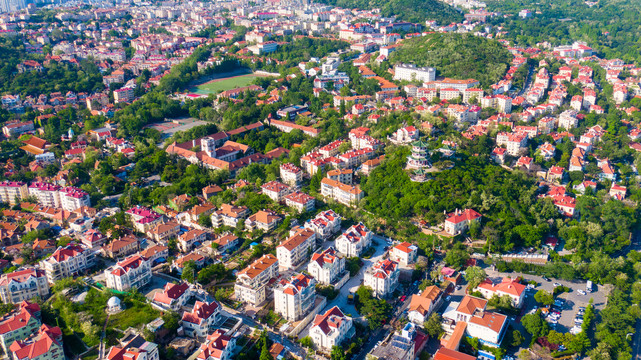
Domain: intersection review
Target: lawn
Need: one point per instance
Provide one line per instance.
(225, 84)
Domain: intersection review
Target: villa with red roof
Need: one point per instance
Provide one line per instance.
(489, 327)
(217, 347)
(46, 344)
(404, 253)
(331, 329)
(354, 240)
(19, 324)
(23, 285)
(382, 277)
(295, 297)
(458, 221)
(202, 319)
(294, 250)
(251, 282)
(327, 266)
(507, 287)
(173, 296)
(67, 261)
(422, 305)
(133, 272)
(325, 224)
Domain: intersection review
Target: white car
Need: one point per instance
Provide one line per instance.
(557, 285)
(581, 292)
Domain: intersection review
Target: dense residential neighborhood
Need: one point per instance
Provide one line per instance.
(448, 180)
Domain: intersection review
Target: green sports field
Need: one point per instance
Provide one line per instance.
(217, 85)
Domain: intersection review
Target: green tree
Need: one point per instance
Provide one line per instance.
(307, 342)
(433, 325)
(474, 276)
(337, 353)
(535, 325)
(544, 297)
(189, 271)
(517, 338)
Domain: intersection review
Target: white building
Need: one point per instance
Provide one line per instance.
(488, 327)
(507, 287)
(252, 280)
(423, 304)
(404, 253)
(22, 285)
(218, 347)
(291, 174)
(354, 240)
(133, 272)
(327, 267)
(67, 261)
(459, 221)
(10, 191)
(293, 299)
(325, 224)
(294, 250)
(201, 320)
(411, 72)
(382, 277)
(276, 190)
(331, 329)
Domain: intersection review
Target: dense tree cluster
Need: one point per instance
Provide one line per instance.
(407, 10)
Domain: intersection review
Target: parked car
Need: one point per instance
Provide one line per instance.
(545, 278)
(581, 292)
(557, 285)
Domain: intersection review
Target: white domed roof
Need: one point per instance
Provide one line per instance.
(113, 301)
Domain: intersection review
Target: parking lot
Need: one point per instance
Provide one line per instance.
(572, 300)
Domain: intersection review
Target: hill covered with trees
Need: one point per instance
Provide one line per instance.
(458, 56)
(416, 11)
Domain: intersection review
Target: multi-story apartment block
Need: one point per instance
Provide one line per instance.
(291, 174)
(229, 215)
(133, 272)
(331, 329)
(11, 192)
(46, 194)
(325, 224)
(17, 128)
(294, 250)
(72, 198)
(515, 143)
(568, 119)
(46, 344)
(124, 94)
(293, 298)
(382, 277)
(327, 266)
(354, 240)
(22, 285)
(19, 324)
(344, 194)
(202, 319)
(67, 261)
(143, 219)
(252, 281)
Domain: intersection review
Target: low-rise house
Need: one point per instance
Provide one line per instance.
(191, 239)
(331, 329)
(22, 285)
(344, 194)
(507, 287)
(459, 221)
(382, 277)
(423, 304)
(210, 191)
(133, 347)
(404, 253)
(163, 232)
(252, 280)
(218, 346)
(276, 190)
(300, 201)
(344, 176)
(294, 298)
(265, 220)
(133, 272)
(488, 327)
(225, 242)
(155, 254)
(229, 215)
(291, 174)
(67, 262)
(179, 263)
(294, 250)
(173, 296)
(327, 266)
(124, 246)
(354, 240)
(201, 320)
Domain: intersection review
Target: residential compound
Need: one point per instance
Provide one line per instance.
(328, 267)
(332, 328)
(251, 282)
(293, 251)
(51, 195)
(382, 277)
